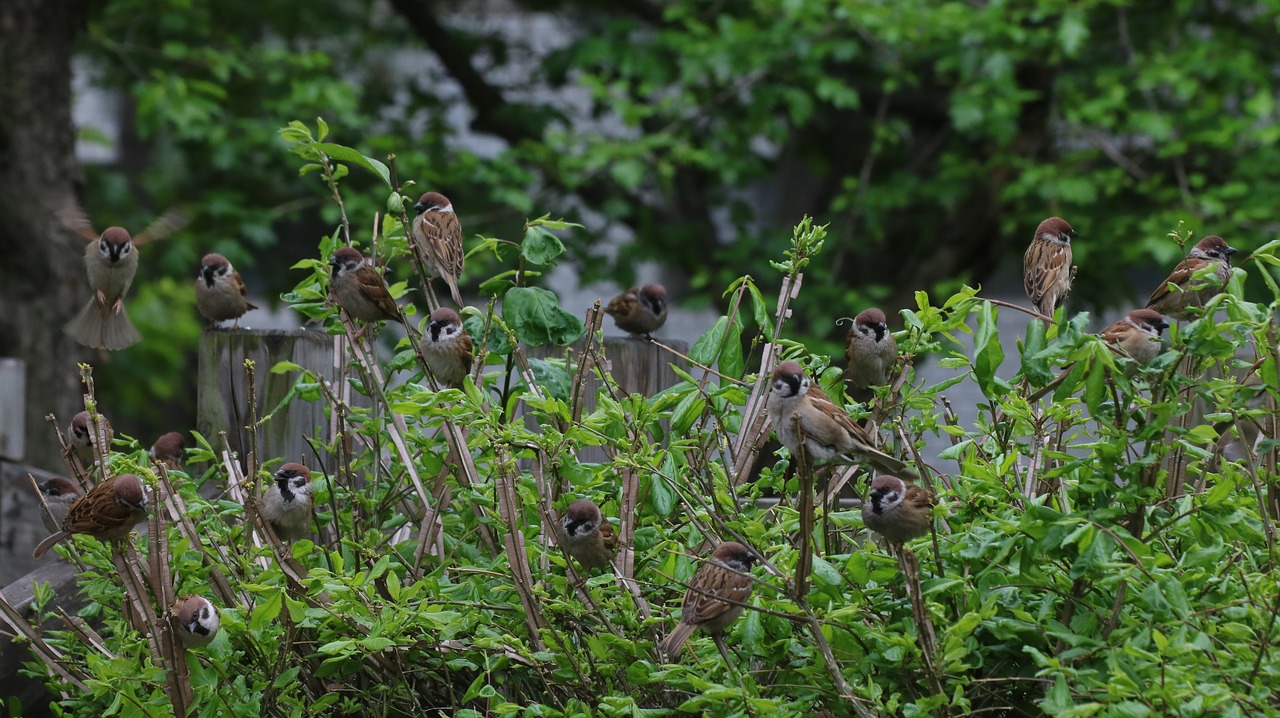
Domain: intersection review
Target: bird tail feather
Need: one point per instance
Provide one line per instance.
(674, 641)
(98, 327)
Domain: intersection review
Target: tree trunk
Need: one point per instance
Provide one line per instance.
(42, 274)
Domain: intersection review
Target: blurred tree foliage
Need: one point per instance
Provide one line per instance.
(932, 136)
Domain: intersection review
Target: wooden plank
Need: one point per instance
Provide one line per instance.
(13, 399)
(61, 577)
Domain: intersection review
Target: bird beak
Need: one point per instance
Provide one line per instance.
(1230, 251)
(207, 271)
(419, 208)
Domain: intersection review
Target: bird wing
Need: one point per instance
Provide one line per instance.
(1180, 277)
(442, 240)
(1042, 268)
(374, 288)
(622, 305)
(920, 498)
(703, 601)
(164, 226)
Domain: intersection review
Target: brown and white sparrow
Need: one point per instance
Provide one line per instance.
(830, 435)
(586, 535)
(57, 495)
(447, 347)
(871, 351)
(220, 292)
(288, 503)
(168, 450)
(360, 289)
(898, 510)
(1190, 291)
(437, 234)
(108, 512)
(639, 310)
(1046, 266)
(713, 600)
(103, 323)
(1137, 335)
(196, 620)
(82, 439)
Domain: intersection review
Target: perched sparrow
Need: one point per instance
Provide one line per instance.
(220, 292)
(1137, 335)
(447, 347)
(360, 289)
(830, 435)
(196, 620)
(168, 450)
(898, 510)
(726, 577)
(640, 311)
(82, 439)
(586, 535)
(1212, 251)
(1046, 267)
(58, 495)
(437, 234)
(104, 323)
(871, 352)
(108, 512)
(288, 504)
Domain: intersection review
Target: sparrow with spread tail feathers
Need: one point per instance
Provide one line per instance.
(1137, 335)
(82, 438)
(447, 347)
(586, 536)
(715, 596)
(640, 311)
(288, 503)
(898, 510)
(108, 512)
(57, 495)
(1046, 266)
(168, 450)
(196, 620)
(220, 292)
(870, 352)
(437, 234)
(1190, 291)
(103, 323)
(829, 434)
(360, 289)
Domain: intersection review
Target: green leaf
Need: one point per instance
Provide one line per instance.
(534, 314)
(284, 367)
(987, 352)
(540, 246)
(346, 154)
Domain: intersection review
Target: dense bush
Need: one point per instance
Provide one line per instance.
(1092, 555)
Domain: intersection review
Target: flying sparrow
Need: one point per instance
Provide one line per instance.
(898, 510)
(220, 292)
(437, 234)
(103, 323)
(360, 289)
(871, 351)
(108, 512)
(58, 495)
(1189, 291)
(1137, 335)
(707, 604)
(830, 435)
(640, 311)
(586, 535)
(288, 503)
(82, 439)
(447, 347)
(168, 450)
(196, 620)
(1046, 266)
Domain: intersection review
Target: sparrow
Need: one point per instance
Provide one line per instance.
(724, 578)
(57, 496)
(220, 292)
(82, 440)
(103, 323)
(437, 234)
(1137, 335)
(640, 311)
(1046, 266)
(447, 347)
(108, 512)
(1212, 251)
(830, 435)
(288, 504)
(898, 510)
(360, 289)
(871, 351)
(168, 450)
(197, 620)
(586, 535)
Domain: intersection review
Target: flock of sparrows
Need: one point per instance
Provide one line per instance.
(803, 417)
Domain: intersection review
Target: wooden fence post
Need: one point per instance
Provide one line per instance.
(13, 412)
